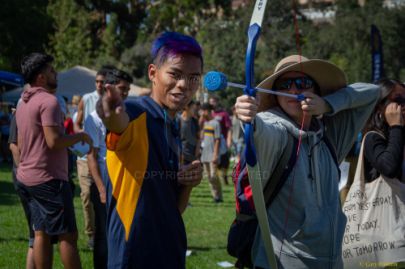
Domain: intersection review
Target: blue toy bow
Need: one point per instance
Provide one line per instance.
(254, 173)
(253, 35)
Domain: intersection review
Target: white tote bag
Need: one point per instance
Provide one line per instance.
(375, 230)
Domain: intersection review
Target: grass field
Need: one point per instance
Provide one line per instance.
(207, 226)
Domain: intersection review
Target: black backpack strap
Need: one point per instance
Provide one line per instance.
(280, 174)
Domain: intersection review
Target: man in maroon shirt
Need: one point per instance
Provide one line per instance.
(42, 171)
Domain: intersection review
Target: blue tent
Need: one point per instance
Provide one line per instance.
(11, 79)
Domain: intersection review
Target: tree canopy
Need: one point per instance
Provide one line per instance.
(98, 32)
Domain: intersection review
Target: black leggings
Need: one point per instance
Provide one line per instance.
(100, 252)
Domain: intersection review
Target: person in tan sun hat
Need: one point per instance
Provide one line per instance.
(306, 221)
(328, 76)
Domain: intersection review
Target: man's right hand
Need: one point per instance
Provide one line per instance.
(111, 109)
(246, 108)
(111, 103)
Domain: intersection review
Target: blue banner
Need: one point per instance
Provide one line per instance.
(377, 61)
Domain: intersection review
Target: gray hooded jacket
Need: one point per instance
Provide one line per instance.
(306, 220)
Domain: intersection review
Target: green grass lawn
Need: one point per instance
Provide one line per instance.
(207, 226)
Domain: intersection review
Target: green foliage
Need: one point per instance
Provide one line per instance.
(72, 42)
(24, 28)
(108, 51)
(225, 54)
(346, 42)
(186, 16)
(278, 38)
(136, 59)
(128, 18)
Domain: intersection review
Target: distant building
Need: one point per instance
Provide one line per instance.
(309, 2)
(394, 3)
(387, 3)
(321, 11)
(239, 3)
(318, 11)
(324, 10)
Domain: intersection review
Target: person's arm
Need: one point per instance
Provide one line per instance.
(228, 125)
(188, 177)
(350, 109)
(385, 155)
(12, 141)
(55, 140)
(201, 122)
(96, 134)
(184, 197)
(77, 126)
(95, 173)
(16, 153)
(216, 150)
(229, 138)
(111, 110)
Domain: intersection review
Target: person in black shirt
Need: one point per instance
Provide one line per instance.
(384, 150)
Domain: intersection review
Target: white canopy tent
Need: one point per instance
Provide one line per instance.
(78, 80)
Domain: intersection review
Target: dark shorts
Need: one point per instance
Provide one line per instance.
(224, 160)
(51, 206)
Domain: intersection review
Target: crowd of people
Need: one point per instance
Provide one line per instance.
(146, 154)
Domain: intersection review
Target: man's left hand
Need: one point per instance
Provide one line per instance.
(190, 175)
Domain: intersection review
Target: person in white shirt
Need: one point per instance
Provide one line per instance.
(87, 105)
(96, 161)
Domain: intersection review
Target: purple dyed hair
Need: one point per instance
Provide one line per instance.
(173, 43)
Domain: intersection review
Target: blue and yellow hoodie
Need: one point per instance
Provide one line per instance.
(144, 226)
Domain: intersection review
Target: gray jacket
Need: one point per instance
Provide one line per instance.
(311, 235)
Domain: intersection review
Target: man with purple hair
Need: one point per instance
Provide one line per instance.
(148, 187)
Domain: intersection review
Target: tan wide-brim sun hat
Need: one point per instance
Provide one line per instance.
(328, 76)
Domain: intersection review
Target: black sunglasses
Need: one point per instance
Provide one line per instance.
(302, 83)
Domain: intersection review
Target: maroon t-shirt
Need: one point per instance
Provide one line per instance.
(224, 120)
(38, 163)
